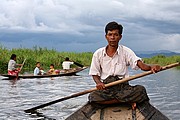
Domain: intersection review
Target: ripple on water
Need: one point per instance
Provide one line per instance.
(17, 96)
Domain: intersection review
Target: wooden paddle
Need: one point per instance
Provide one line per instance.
(78, 64)
(22, 65)
(93, 89)
(20, 69)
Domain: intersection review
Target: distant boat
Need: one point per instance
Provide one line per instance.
(92, 111)
(63, 73)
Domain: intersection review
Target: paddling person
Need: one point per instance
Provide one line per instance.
(67, 64)
(13, 66)
(110, 63)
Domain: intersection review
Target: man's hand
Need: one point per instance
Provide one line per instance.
(18, 69)
(100, 86)
(145, 67)
(155, 68)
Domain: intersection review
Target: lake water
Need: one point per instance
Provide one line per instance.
(163, 89)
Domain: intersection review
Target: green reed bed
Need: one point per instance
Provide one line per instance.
(43, 55)
(51, 56)
(162, 60)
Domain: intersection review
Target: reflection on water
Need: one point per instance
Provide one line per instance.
(17, 96)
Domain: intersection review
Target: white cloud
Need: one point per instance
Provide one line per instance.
(145, 21)
(171, 41)
(62, 15)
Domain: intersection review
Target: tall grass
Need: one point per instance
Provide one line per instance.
(47, 57)
(162, 60)
(42, 55)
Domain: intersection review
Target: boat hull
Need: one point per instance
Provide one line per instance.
(67, 73)
(117, 112)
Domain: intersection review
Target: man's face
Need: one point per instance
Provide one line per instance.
(113, 38)
(38, 65)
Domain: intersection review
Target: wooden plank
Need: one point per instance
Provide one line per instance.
(116, 113)
(97, 115)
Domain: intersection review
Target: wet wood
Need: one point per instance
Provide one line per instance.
(67, 73)
(116, 112)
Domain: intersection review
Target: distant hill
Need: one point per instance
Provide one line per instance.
(148, 54)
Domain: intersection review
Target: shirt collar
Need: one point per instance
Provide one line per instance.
(117, 51)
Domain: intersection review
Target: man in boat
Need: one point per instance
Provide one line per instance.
(51, 70)
(38, 70)
(67, 65)
(12, 66)
(111, 63)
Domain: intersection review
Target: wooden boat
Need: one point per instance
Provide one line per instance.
(62, 73)
(92, 111)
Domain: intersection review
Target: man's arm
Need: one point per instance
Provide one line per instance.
(99, 85)
(145, 67)
(19, 65)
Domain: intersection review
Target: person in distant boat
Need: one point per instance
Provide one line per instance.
(110, 63)
(52, 71)
(67, 64)
(13, 66)
(38, 70)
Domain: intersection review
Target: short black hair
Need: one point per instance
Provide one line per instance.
(13, 56)
(52, 65)
(66, 59)
(113, 26)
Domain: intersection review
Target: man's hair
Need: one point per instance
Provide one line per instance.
(114, 26)
(52, 65)
(66, 59)
(13, 56)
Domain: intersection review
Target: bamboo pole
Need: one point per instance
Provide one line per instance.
(106, 85)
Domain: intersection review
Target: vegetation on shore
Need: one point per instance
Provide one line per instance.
(42, 55)
(47, 57)
(162, 60)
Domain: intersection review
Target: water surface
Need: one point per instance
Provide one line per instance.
(16, 96)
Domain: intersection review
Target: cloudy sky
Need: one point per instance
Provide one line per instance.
(78, 25)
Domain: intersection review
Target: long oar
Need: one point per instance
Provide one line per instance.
(22, 65)
(78, 64)
(93, 89)
(20, 69)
